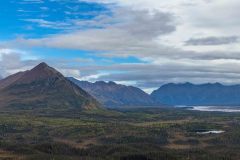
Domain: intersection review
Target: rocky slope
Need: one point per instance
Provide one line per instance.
(115, 95)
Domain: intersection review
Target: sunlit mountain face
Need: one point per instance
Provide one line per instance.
(141, 43)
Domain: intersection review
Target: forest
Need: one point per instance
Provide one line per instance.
(119, 134)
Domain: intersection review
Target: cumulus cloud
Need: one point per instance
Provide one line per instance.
(125, 33)
(11, 62)
(125, 29)
(159, 33)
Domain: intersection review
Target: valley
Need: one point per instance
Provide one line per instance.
(134, 134)
(119, 80)
(45, 116)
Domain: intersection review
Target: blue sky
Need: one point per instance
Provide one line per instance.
(145, 43)
(37, 18)
(17, 15)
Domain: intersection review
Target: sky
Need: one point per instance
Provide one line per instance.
(144, 43)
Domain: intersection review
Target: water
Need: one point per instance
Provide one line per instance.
(215, 109)
(211, 132)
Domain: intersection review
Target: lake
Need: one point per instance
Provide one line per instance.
(228, 109)
(211, 132)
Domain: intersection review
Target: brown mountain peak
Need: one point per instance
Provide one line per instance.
(40, 72)
(42, 65)
(44, 87)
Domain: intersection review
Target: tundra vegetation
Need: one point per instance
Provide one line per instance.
(119, 134)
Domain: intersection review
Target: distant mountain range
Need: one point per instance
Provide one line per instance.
(204, 94)
(186, 94)
(116, 95)
(43, 87)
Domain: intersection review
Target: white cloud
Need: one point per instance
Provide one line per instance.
(131, 33)
(11, 62)
(156, 32)
(48, 24)
(198, 18)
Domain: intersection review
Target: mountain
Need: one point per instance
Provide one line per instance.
(43, 87)
(9, 80)
(115, 95)
(203, 94)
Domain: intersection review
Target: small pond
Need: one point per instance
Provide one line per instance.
(210, 132)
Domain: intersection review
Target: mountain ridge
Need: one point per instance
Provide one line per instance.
(198, 94)
(44, 87)
(115, 95)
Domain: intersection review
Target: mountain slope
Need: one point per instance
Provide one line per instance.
(204, 94)
(9, 80)
(43, 87)
(114, 95)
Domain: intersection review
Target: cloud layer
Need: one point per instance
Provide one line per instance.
(173, 41)
(212, 41)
